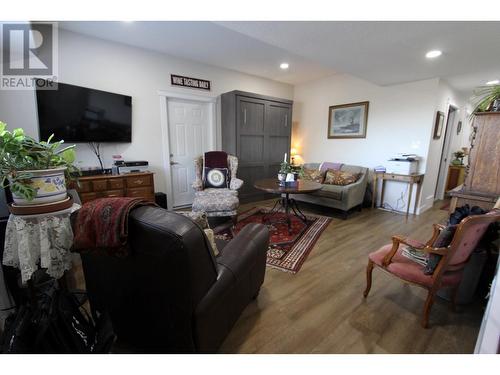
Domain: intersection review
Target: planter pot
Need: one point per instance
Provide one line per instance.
(50, 186)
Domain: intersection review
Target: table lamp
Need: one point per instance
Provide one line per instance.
(293, 154)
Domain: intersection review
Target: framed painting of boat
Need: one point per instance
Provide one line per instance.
(348, 120)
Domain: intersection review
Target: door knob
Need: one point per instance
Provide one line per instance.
(173, 163)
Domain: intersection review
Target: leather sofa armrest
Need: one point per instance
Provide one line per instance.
(236, 259)
(240, 253)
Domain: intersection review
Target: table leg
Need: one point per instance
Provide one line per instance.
(382, 193)
(287, 213)
(453, 205)
(296, 210)
(409, 199)
(374, 191)
(417, 197)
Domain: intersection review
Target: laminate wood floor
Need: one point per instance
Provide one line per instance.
(321, 308)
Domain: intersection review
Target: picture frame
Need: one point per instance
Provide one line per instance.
(438, 125)
(347, 120)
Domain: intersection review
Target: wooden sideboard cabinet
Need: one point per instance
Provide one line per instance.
(139, 185)
(456, 176)
(481, 185)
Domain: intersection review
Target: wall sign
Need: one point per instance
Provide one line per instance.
(194, 83)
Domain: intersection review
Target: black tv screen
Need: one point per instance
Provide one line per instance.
(80, 114)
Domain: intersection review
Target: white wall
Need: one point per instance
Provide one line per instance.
(399, 120)
(108, 66)
(446, 96)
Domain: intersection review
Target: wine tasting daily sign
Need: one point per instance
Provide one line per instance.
(193, 83)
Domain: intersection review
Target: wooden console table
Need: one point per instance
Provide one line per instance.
(139, 185)
(412, 179)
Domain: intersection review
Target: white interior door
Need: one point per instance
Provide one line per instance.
(187, 125)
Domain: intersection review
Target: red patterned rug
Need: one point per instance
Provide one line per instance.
(287, 251)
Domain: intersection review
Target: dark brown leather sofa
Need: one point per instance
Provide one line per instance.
(171, 295)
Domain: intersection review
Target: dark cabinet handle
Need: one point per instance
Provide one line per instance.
(244, 115)
(286, 121)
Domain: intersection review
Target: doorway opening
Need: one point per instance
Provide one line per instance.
(445, 154)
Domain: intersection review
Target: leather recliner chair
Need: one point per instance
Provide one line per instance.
(170, 294)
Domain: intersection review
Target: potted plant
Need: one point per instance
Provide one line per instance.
(285, 168)
(487, 99)
(35, 172)
(459, 158)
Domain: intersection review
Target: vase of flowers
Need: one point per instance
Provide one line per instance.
(36, 172)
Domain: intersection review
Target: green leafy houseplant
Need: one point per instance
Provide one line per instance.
(285, 167)
(459, 158)
(486, 98)
(20, 155)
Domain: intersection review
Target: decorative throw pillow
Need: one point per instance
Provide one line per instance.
(334, 177)
(211, 239)
(201, 219)
(313, 175)
(326, 165)
(443, 240)
(217, 178)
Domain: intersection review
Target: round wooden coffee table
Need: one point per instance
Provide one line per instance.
(285, 203)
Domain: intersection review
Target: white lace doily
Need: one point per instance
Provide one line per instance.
(39, 240)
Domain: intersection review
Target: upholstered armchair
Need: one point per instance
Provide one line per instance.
(217, 201)
(449, 269)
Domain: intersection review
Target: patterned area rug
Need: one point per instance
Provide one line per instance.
(287, 251)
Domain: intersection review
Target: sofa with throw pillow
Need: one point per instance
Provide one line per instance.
(343, 188)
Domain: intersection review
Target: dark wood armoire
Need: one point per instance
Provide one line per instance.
(482, 180)
(257, 129)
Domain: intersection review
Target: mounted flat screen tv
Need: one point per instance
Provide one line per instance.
(81, 114)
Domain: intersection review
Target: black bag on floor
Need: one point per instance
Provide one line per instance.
(53, 321)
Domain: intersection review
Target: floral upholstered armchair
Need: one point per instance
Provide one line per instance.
(217, 201)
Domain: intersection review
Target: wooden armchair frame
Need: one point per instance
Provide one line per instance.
(442, 266)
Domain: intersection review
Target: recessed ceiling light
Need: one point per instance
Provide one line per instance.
(284, 66)
(433, 54)
(494, 82)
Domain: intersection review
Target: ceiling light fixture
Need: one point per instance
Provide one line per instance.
(284, 66)
(433, 54)
(494, 82)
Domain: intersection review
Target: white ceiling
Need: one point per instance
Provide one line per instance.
(208, 43)
(384, 53)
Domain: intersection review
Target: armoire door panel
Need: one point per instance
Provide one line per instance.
(277, 147)
(251, 148)
(250, 174)
(251, 116)
(278, 120)
(272, 170)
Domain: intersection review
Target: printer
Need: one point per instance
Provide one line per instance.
(131, 166)
(403, 164)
